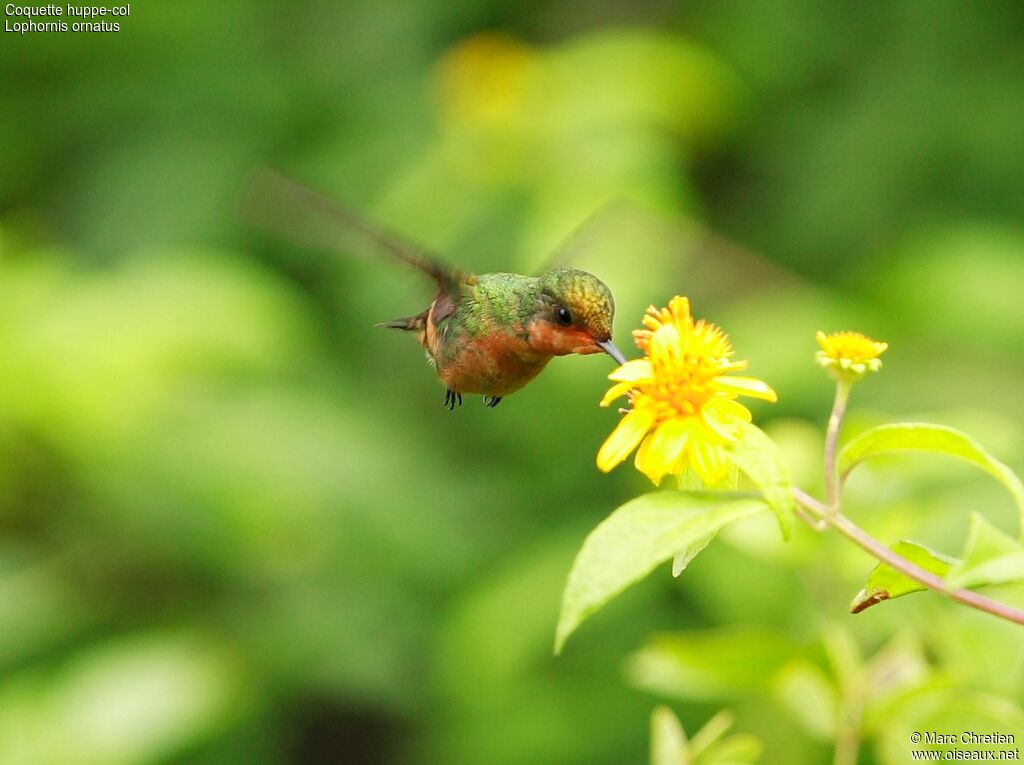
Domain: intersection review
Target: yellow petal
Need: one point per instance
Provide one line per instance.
(679, 307)
(745, 386)
(823, 341)
(660, 450)
(616, 391)
(709, 460)
(729, 410)
(684, 435)
(632, 371)
(712, 419)
(732, 366)
(665, 345)
(624, 438)
(642, 338)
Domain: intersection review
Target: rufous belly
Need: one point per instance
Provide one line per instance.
(492, 366)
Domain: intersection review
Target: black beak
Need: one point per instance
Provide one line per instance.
(609, 347)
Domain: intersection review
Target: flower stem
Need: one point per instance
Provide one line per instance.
(835, 422)
(876, 549)
(853, 688)
(847, 741)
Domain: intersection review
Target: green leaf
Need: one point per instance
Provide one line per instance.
(886, 583)
(635, 538)
(711, 733)
(668, 741)
(990, 557)
(806, 691)
(682, 559)
(740, 749)
(711, 664)
(762, 462)
(126, 700)
(690, 480)
(911, 436)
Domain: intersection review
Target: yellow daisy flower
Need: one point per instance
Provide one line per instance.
(684, 409)
(849, 355)
(485, 81)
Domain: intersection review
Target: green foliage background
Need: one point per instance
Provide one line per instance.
(236, 525)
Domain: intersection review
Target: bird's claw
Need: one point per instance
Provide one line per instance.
(451, 398)
(492, 401)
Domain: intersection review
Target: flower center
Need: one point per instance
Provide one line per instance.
(854, 352)
(684, 364)
(853, 346)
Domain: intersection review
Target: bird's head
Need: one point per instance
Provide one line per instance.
(574, 315)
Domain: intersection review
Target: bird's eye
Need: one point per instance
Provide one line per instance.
(563, 316)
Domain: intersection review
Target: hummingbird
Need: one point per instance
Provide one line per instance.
(490, 334)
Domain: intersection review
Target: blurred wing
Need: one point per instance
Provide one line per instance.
(582, 240)
(650, 248)
(280, 206)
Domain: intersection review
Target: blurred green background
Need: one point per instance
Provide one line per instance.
(237, 525)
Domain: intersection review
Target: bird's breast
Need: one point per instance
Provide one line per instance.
(491, 365)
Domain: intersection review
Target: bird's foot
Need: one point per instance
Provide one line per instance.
(451, 398)
(492, 401)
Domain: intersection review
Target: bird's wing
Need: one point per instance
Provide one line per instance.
(583, 239)
(277, 204)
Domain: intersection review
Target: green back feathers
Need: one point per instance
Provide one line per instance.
(510, 302)
(498, 302)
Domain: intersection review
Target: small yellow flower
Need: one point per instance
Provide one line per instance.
(485, 82)
(488, 87)
(849, 355)
(684, 410)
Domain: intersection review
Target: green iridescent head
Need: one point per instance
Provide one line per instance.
(575, 315)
